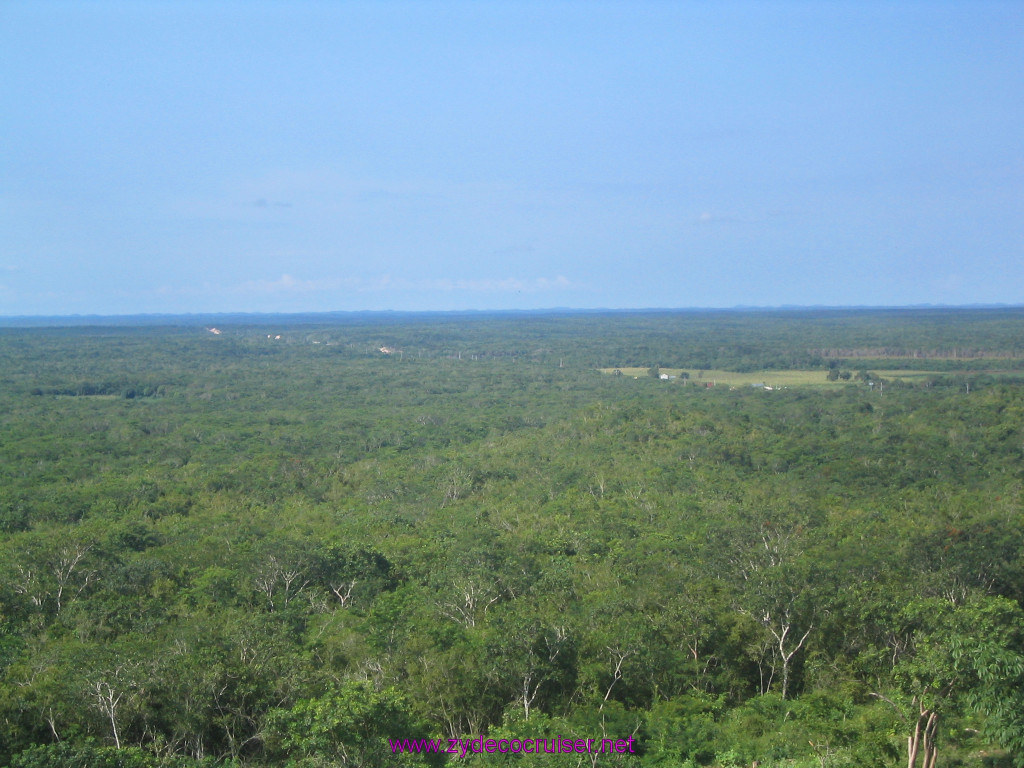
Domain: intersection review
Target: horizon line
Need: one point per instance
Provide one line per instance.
(122, 318)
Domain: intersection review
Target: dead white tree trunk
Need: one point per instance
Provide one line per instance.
(343, 591)
(781, 634)
(108, 701)
(619, 656)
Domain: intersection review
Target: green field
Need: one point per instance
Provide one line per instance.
(792, 378)
(778, 379)
(775, 379)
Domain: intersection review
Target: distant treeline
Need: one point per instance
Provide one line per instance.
(108, 388)
(730, 340)
(941, 354)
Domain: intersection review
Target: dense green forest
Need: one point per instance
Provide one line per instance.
(283, 541)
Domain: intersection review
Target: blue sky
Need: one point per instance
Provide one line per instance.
(307, 156)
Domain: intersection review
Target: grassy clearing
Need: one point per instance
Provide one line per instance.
(776, 379)
(89, 397)
(793, 378)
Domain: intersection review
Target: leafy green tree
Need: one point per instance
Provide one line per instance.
(948, 654)
(348, 725)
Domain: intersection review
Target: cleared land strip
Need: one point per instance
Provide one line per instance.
(785, 378)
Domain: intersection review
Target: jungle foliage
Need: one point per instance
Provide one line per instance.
(233, 549)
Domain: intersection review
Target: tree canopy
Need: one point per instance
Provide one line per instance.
(238, 550)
